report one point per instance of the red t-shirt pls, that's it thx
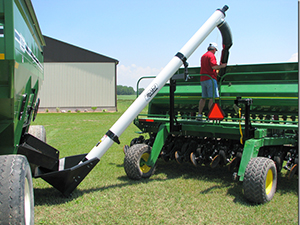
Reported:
(208, 60)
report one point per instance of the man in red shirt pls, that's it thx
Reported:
(209, 66)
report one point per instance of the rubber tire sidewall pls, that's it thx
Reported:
(132, 162)
(254, 183)
(13, 173)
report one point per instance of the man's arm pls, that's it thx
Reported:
(217, 67)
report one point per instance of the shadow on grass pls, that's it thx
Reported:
(51, 196)
(220, 175)
(223, 176)
(171, 170)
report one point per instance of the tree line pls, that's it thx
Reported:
(124, 90)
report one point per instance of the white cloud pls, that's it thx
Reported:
(129, 75)
(294, 58)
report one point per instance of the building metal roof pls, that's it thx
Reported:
(58, 51)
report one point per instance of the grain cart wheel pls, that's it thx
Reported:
(260, 180)
(135, 162)
(16, 192)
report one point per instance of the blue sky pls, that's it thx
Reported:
(144, 35)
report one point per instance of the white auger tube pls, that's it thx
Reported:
(145, 97)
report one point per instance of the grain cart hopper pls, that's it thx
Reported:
(24, 155)
(259, 103)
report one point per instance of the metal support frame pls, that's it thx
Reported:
(159, 142)
(249, 131)
(174, 125)
(64, 174)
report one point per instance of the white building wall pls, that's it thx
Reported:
(78, 86)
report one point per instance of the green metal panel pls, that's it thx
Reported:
(272, 87)
(160, 139)
(21, 68)
(251, 149)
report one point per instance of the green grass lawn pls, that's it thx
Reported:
(175, 194)
(126, 97)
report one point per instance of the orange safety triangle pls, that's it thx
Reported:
(216, 113)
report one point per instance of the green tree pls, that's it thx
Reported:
(124, 90)
(141, 90)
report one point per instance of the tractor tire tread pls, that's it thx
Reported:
(132, 160)
(255, 178)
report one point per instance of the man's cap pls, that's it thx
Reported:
(213, 45)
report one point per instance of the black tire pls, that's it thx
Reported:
(16, 192)
(260, 180)
(278, 162)
(135, 162)
(38, 131)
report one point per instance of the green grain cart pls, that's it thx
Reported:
(24, 152)
(252, 128)
(21, 74)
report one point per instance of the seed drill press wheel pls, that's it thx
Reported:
(260, 180)
(135, 161)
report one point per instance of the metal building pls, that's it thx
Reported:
(77, 79)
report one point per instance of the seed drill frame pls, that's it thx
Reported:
(257, 137)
